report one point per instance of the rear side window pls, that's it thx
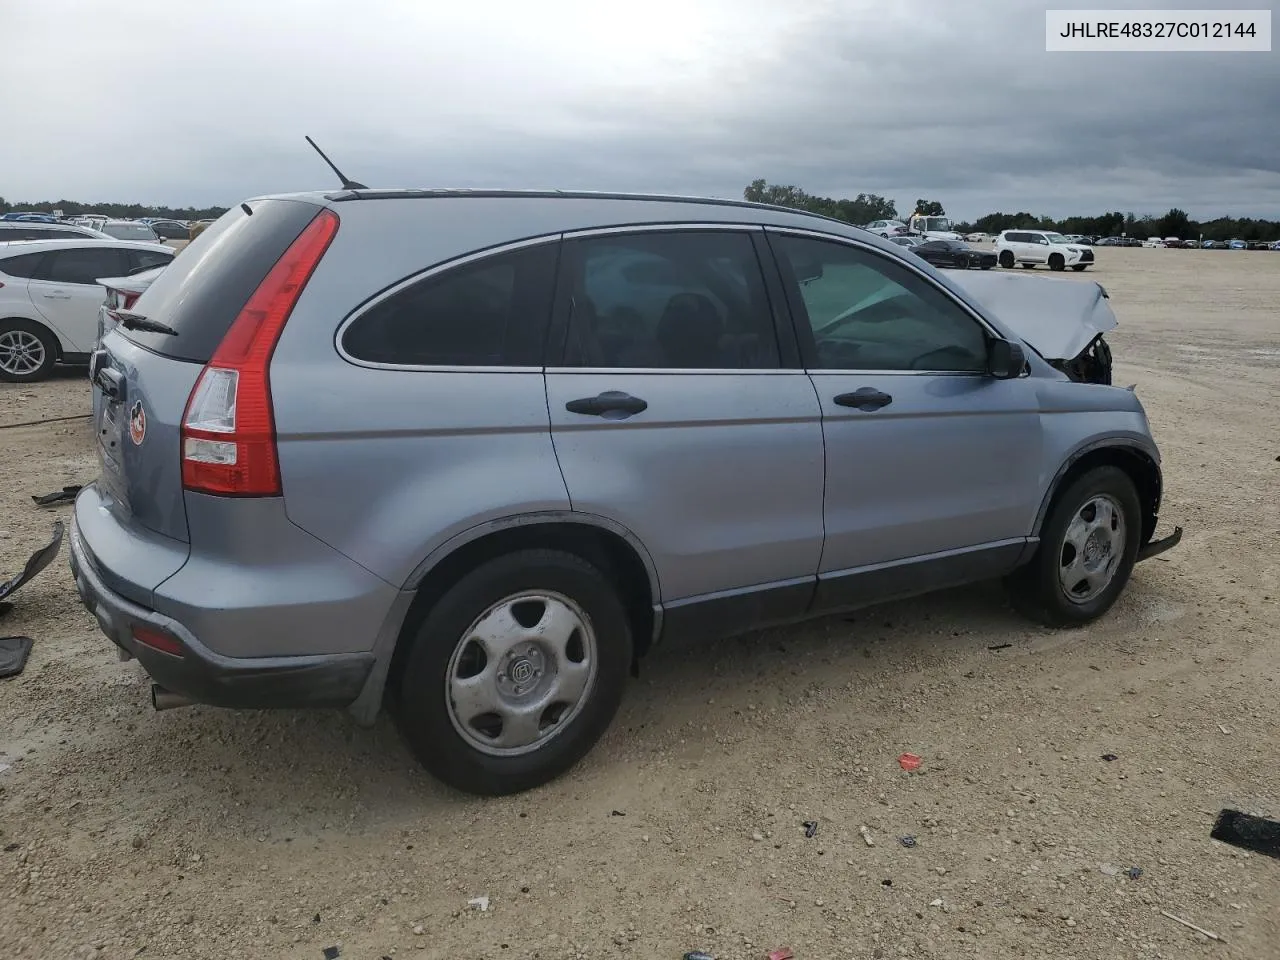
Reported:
(23, 266)
(22, 233)
(139, 260)
(201, 293)
(491, 312)
(82, 266)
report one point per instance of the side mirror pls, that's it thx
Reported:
(1005, 359)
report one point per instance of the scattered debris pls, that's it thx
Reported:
(1226, 730)
(1000, 646)
(1109, 869)
(757, 836)
(66, 495)
(316, 918)
(907, 841)
(419, 930)
(13, 655)
(1134, 872)
(1109, 757)
(936, 903)
(1187, 923)
(617, 813)
(698, 955)
(331, 953)
(811, 828)
(1256, 834)
(10, 847)
(909, 762)
(866, 835)
(5, 607)
(886, 883)
(480, 903)
(782, 953)
(37, 562)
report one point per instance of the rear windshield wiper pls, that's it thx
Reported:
(136, 321)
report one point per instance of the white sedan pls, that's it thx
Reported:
(50, 296)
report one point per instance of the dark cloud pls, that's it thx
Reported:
(958, 102)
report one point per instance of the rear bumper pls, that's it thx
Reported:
(200, 674)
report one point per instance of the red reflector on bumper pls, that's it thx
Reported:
(157, 640)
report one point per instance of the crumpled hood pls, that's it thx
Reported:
(1059, 318)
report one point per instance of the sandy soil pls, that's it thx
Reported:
(205, 833)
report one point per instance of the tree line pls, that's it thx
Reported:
(116, 211)
(867, 207)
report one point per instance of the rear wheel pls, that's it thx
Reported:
(1088, 545)
(515, 672)
(1057, 261)
(27, 351)
(1006, 259)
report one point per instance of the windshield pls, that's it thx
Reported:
(129, 231)
(937, 224)
(1056, 238)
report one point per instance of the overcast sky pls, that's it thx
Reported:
(164, 101)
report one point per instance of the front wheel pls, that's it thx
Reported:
(1079, 266)
(27, 351)
(1088, 545)
(1057, 262)
(1006, 259)
(515, 673)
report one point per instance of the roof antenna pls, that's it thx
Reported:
(346, 184)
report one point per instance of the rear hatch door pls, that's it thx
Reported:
(143, 378)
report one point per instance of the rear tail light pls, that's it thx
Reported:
(228, 432)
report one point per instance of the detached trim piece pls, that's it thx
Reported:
(1156, 547)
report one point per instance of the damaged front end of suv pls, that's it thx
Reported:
(1064, 321)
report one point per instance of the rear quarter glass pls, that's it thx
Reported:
(201, 292)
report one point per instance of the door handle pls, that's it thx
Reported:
(864, 398)
(612, 405)
(56, 296)
(111, 382)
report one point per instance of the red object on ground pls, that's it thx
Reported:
(782, 953)
(909, 761)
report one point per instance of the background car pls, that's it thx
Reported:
(170, 229)
(886, 228)
(954, 253)
(907, 241)
(130, 230)
(50, 297)
(1237, 245)
(1027, 248)
(11, 230)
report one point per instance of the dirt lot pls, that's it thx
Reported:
(203, 833)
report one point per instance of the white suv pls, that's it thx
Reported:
(1030, 247)
(50, 295)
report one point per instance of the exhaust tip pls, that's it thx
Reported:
(162, 699)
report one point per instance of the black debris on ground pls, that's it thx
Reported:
(66, 495)
(13, 655)
(1243, 830)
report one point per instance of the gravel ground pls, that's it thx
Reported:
(205, 833)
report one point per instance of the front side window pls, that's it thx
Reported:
(680, 300)
(83, 265)
(867, 312)
(490, 312)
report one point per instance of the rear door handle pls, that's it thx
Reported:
(864, 398)
(111, 382)
(612, 405)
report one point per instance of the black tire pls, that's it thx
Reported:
(1079, 267)
(1028, 266)
(423, 708)
(1036, 589)
(1006, 259)
(1057, 262)
(26, 329)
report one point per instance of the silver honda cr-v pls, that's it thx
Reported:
(473, 453)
